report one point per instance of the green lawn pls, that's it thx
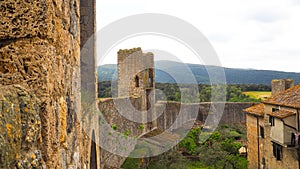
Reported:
(258, 94)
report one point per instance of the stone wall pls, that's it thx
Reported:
(111, 115)
(233, 112)
(167, 113)
(40, 85)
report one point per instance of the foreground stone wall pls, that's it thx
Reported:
(39, 84)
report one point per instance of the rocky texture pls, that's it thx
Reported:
(20, 127)
(21, 19)
(40, 85)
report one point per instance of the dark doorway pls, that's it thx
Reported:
(137, 81)
(93, 156)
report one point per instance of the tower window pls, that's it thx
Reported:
(150, 80)
(137, 83)
(271, 120)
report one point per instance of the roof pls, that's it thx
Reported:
(281, 114)
(257, 109)
(289, 98)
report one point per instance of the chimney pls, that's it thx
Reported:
(280, 85)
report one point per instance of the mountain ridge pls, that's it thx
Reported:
(164, 69)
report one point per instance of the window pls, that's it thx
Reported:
(261, 132)
(150, 80)
(263, 161)
(293, 139)
(271, 120)
(277, 151)
(275, 109)
(137, 83)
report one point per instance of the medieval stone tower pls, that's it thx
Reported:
(136, 75)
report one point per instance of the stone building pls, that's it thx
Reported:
(273, 128)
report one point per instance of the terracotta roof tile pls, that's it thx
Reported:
(281, 114)
(290, 98)
(257, 109)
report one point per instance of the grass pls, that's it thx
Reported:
(258, 94)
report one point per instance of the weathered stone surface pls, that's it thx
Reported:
(40, 76)
(20, 19)
(20, 127)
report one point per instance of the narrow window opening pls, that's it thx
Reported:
(261, 132)
(150, 80)
(137, 83)
(293, 139)
(277, 151)
(263, 161)
(271, 120)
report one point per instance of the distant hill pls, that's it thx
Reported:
(233, 76)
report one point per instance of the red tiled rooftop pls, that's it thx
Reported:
(290, 98)
(281, 114)
(257, 109)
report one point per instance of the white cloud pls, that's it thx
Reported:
(268, 15)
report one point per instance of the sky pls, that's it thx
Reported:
(250, 34)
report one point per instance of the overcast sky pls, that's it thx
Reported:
(257, 34)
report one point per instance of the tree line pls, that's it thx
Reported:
(194, 93)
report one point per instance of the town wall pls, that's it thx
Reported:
(167, 113)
